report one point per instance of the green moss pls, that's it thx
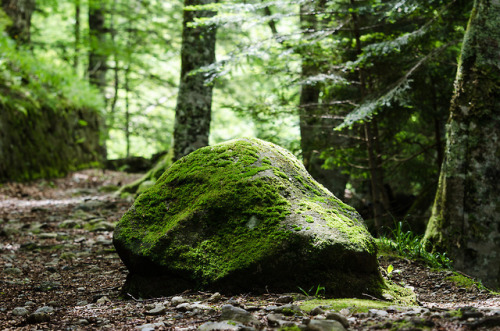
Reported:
(226, 209)
(401, 297)
(358, 305)
(309, 219)
(164, 206)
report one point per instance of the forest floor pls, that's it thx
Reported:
(59, 271)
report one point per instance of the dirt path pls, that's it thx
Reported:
(59, 271)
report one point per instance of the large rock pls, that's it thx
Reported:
(241, 216)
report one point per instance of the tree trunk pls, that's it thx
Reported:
(194, 100)
(98, 55)
(316, 133)
(77, 35)
(20, 12)
(380, 198)
(465, 219)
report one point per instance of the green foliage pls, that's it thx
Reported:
(30, 82)
(318, 293)
(409, 245)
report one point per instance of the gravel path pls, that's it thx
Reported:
(59, 271)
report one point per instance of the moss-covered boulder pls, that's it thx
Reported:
(244, 216)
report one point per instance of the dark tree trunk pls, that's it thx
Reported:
(316, 127)
(194, 100)
(98, 54)
(465, 219)
(380, 198)
(77, 35)
(20, 12)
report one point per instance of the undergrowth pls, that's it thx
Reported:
(409, 245)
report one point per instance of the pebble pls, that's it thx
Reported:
(47, 235)
(275, 320)
(285, 299)
(338, 317)
(158, 310)
(20, 311)
(177, 300)
(317, 311)
(230, 312)
(102, 300)
(150, 326)
(216, 297)
(13, 271)
(45, 309)
(289, 309)
(378, 313)
(324, 325)
(213, 326)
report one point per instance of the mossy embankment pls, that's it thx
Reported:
(49, 119)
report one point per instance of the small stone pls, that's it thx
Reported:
(158, 310)
(387, 297)
(82, 303)
(324, 325)
(345, 312)
(48, 286)
(197, 307)
(20, 311)
(45, 309)
(53, 303)
(183, 307)
(274, 320)
(290, 309)
(150, 326)
(47, 235)
(213, 326)
(285, 299)
(216, 297)
(378, 313)
(12, 271)
(317, 311)
(69, 224)
(338, 317)
(238, 314)
(177, 300)
(103, 300)
(29, 303)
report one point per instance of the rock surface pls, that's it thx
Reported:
(244, 216)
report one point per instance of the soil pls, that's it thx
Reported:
(57, 254)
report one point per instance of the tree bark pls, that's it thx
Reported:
(194, 100)
(465, 219)
(20, 12)
(77, 35)
(98, 55)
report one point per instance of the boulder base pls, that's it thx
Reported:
(244, 216)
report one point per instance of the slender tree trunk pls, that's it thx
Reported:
(98, 54)
(20, 12)
(465, 219)
(380, 198)
(127, 111)
(194, 100)
(77, 35)
(316, 132)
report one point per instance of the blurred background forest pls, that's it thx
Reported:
(360, 90)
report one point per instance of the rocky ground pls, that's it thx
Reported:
(59, 271)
